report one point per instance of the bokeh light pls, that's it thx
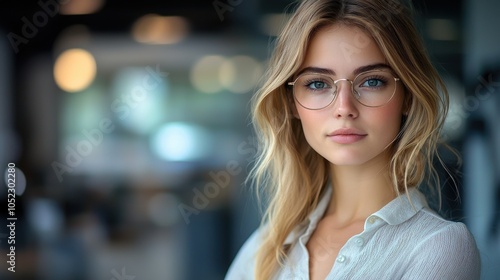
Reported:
(20, 181)
(181, 142)
(81, 7)
(240, 74)
(139, 99)
(156, 29)
(205, 75)
(75, 70)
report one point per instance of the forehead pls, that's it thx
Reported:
(342, 49)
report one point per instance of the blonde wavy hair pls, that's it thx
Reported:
(288, 171)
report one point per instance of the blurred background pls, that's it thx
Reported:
(128, 124)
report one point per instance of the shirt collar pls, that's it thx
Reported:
(403, 207)
(395, 212)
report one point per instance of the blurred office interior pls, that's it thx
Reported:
(128, 122)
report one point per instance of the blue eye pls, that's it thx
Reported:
(317, 85)
(373, 83)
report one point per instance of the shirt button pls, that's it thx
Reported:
(372, 219)
(341, 258)
(359, 241)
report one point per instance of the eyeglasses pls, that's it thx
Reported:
(316, 91)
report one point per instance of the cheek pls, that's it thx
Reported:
(308, 121)
(386, 121)
(387, 118)
(311, 122)
(309, 118)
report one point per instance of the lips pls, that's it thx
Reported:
(346, 135)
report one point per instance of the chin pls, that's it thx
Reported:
(354, 157)
(347, 161)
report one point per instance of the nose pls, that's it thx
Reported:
(345, 106)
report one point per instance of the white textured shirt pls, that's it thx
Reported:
(400, 241)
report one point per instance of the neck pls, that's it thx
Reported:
(359, 191)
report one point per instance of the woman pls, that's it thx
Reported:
(349, 121)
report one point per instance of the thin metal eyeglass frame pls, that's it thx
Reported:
(353, 92)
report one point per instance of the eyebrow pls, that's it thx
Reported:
(356, 71)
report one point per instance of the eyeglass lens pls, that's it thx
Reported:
(372, 88)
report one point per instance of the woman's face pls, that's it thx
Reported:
(347, 132)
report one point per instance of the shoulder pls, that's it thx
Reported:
(242, 266)
(438, 235)
(449, 236)
(444, 249)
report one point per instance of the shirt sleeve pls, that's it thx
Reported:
(243, 264)
(449, 253)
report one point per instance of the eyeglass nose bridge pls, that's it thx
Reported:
(353, 92)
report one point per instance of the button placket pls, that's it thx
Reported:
(359, 241)
(372, 220)
(341, 258)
